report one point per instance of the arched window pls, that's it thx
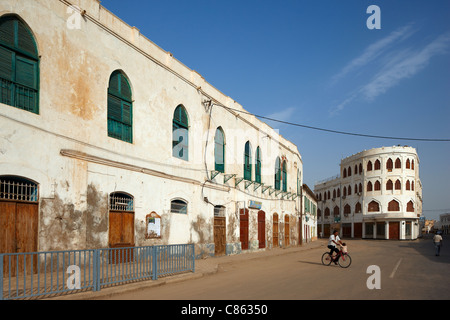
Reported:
(349, 190)
(360, 188)
(410, 206)
(358, 208)
(219, 150)
(120, 107)
(398, 163)
(389, 185)
(120, 201)
(412, 164)
(327, 212)
(412, 185)
(389, 164)
(19, 65)
(277, 173)
(338, 192)
(369, 186)
(408, 185)
(374, 206)
(377, 186)
(336, 212)
(347, 209)
(258, 165)
(398, 185)
(248, 161)
(178, 206)
(180, 133)
(349, 171)
(393, 206)
(369, 166)
(334, 193)
(18, 189)
(328, 194)
(360, 168)
(356, 169)
(377, 165)
(408, 164)
(284, 176)
(344, 173)
(345, 191)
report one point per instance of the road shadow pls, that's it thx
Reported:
(425, 247)
(310, 262)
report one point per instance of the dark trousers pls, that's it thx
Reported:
(333, 249)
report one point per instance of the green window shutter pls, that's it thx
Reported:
(277, 173)
(258, 165)
(26, 71)
(25, 41)
(247, 162)
(19, 65)
(120, 108)
(6, 63)
(7, 31)
(219, 151)
(180, 134)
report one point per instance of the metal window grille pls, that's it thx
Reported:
(178, 206)
(121, 202)
(16, 190)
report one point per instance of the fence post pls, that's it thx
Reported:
(193, 258)
(96, 270)
(154, 263)
(1, 276)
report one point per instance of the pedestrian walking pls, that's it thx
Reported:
(437, 239)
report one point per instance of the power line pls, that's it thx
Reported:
(335, 131)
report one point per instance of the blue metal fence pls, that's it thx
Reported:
(45, 274)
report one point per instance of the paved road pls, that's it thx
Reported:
(409, 270)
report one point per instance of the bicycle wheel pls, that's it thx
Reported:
(326, 259)
(345, 260)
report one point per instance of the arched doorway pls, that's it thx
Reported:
(276, 243)
(19, 216)
(121, 225)
(262, 229)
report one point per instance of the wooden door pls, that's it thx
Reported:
(262, 229)
(244, 228)
(121, 235)
(219, 236)
(19, 233)
(346, 230)
(394, 230)
(286, 231)
(276, 243)
(357, 232)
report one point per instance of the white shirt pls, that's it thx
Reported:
(437, 238)
(330, 240)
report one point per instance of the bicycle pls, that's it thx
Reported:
(342, 258)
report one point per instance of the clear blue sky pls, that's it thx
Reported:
(316, 63)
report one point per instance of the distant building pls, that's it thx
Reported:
(444, 221)
(378, 195)
(309, 217)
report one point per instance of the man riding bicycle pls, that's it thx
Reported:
(332, 242)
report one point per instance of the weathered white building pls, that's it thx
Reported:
(106, 140)
(378, 194)
(309, 215)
